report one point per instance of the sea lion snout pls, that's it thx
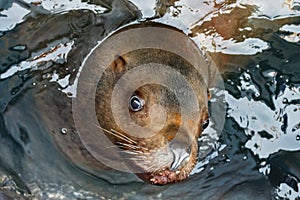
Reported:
(180, 147)
(180, 157)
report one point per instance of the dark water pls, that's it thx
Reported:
(255, 44)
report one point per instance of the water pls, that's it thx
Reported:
(255, 45)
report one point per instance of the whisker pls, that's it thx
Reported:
(118, 135)
(144, 148)
(128, 145)
(129, 152)
(138, 159)
(132, 146)
(129, 139)
(113, 146)
(150, 168)
(134, 151)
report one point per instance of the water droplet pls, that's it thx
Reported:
(69, 94)
(14, 91)
(245, 157)
(296, 127)
(285, 100)
(64, 131)
(19, 48)
(298, 137)
(247, 77)
(33, 83)
(269, 73)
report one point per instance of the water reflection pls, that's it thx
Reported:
(255, 44)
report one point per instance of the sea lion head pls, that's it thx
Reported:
(163, 149)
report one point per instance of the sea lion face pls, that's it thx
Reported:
(165, 151)
(163, 158)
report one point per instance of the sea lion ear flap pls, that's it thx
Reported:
(119, 64)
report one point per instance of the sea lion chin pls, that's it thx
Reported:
(170, 154)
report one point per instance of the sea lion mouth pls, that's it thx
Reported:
(178, 163)
(164, 177)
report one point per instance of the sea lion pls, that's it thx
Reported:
(155, 163)
(170, 153)
(155, 124)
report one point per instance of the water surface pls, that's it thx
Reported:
(255, 45)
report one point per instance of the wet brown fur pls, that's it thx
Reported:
(148, 154)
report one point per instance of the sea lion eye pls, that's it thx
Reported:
(205, 124)
(136, 103)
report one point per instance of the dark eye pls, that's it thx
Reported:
(205, 124)
(136, 103)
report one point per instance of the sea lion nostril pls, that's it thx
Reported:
(180, 156)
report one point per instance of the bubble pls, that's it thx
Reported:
(15, 90)
(19, 48)
(64, 131)
(257, 94)
(247, 77)
(285, 101)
